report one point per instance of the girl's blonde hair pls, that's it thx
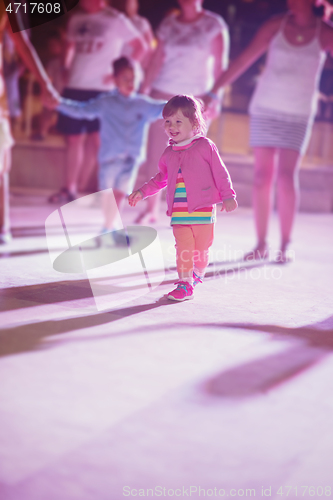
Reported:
(191, 107)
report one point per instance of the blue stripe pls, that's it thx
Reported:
(191, 219)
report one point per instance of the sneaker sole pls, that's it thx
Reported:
(180, 300)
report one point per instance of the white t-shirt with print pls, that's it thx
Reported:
(99, 39)
(188, 66)
(142, 24)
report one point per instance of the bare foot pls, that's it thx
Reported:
(260, 252)
(284, 256)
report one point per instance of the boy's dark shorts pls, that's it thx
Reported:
(71, 126)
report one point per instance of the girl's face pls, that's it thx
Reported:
(178, 127)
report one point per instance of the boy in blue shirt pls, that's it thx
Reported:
(124, 117)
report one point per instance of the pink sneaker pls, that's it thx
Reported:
(184, 291)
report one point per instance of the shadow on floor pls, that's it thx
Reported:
(30, 231)
(262, 375)
(75, 290)
(30, 337)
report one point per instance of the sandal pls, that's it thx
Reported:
(62, 196)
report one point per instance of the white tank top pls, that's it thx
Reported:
(290, 80)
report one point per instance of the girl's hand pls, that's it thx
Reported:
(135, 197)
(229, 205)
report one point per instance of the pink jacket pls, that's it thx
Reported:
(206, 178)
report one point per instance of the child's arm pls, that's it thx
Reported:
(88, 110)
(153, 108)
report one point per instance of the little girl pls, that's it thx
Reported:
(196, 180)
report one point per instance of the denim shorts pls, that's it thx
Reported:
(118, 173)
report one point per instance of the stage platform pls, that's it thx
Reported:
(229, 394)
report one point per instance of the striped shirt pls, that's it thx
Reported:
(180, 214)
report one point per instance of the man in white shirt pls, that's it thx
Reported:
(97, 35)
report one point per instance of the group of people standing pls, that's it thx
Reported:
(191, 57)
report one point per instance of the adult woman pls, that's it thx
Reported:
(282, 109)
(192, 50)
(96, 36)
(30, 58)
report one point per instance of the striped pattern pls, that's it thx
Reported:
(180, 214)
(271, 131)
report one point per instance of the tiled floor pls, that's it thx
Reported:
(230, 392)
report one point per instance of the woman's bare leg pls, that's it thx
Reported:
(74, 160)
(4, 197)
(287, 193)
(264, 159)
(91, 148)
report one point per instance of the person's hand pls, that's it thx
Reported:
(50, 97)
(135, 197)
(211, 105)
(229, 205)
(206, 99)
(50, 101)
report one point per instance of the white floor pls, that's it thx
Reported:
(230, 392)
